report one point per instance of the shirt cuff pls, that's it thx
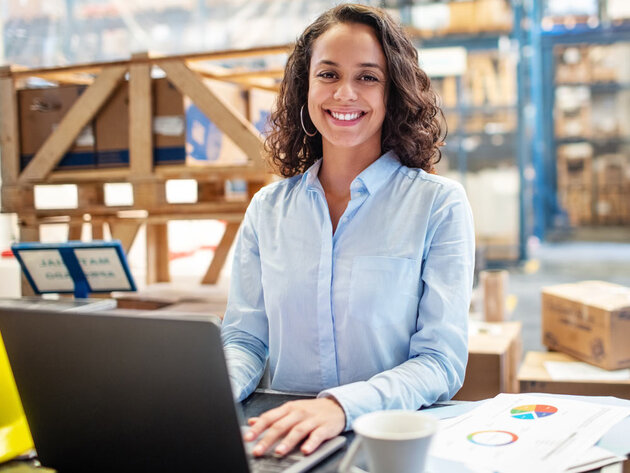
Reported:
(355, 399)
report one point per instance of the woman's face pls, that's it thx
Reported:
(347, 87)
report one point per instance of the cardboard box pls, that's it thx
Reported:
(205, 143)
(461, 16)
(493, 15)
(589, 320)
(575, 166)
(494, 353)
(40, 112)
(533, 377)
(572, 64)
(612, 170)
(578, 204)
(612, 206)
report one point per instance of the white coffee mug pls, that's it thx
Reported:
(394, 441)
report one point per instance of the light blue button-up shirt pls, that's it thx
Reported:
(375, 314)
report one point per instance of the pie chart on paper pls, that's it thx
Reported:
(492, 438)
(533, 411)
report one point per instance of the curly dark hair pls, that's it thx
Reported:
(414, 124)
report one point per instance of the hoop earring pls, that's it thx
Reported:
(302, 121)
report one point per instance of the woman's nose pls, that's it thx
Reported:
(345, 91)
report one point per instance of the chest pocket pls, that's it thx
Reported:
(384, 291)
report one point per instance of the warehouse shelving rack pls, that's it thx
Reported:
(549, 219)
(514, 142)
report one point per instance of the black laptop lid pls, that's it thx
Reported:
(111, 393)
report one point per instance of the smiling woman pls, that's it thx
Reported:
(413, 125)
(352, 277)
(347, 87)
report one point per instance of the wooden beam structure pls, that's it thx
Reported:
(157, 253)
(148, 179)
(222, 113)
(125, 231)
(140, 119)
(220, 254)
(9, 132)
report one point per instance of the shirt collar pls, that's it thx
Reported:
(376, 174)
(372, 177)
(310, 176)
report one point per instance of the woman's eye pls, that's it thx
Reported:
(326, 75)
(369, 78)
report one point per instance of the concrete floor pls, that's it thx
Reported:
(557, 263)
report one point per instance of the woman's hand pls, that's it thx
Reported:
(317, 419)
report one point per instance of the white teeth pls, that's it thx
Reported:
(346, 116)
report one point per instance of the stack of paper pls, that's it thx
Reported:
(524, 432)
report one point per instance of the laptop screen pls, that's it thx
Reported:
(107, 393)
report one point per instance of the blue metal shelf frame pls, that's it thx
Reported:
(546, 210)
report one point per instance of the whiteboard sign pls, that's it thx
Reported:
(102, 269)
(76, 267)
(48, 270)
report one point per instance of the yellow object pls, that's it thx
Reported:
(15, 437)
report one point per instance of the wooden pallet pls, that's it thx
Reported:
(150, 206)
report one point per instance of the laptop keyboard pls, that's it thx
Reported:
(273, 464)
(295, 461)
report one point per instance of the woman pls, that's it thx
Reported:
(352, 277)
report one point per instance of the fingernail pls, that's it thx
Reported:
(249, 435)
(281, 449)
(258, 450)
(307, 448)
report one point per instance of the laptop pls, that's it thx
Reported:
(105, 392)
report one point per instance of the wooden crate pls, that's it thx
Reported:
(102, 82)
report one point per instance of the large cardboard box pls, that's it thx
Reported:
(589, 320)
(40, 112)
(533, 377)
(494, 354)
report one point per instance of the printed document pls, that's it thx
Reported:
(521, 433)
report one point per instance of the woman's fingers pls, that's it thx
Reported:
(259, 424)
(319, 435)
(276, 431)
(296, 435)
(315, 419)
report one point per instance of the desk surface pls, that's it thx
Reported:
(253, 406)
